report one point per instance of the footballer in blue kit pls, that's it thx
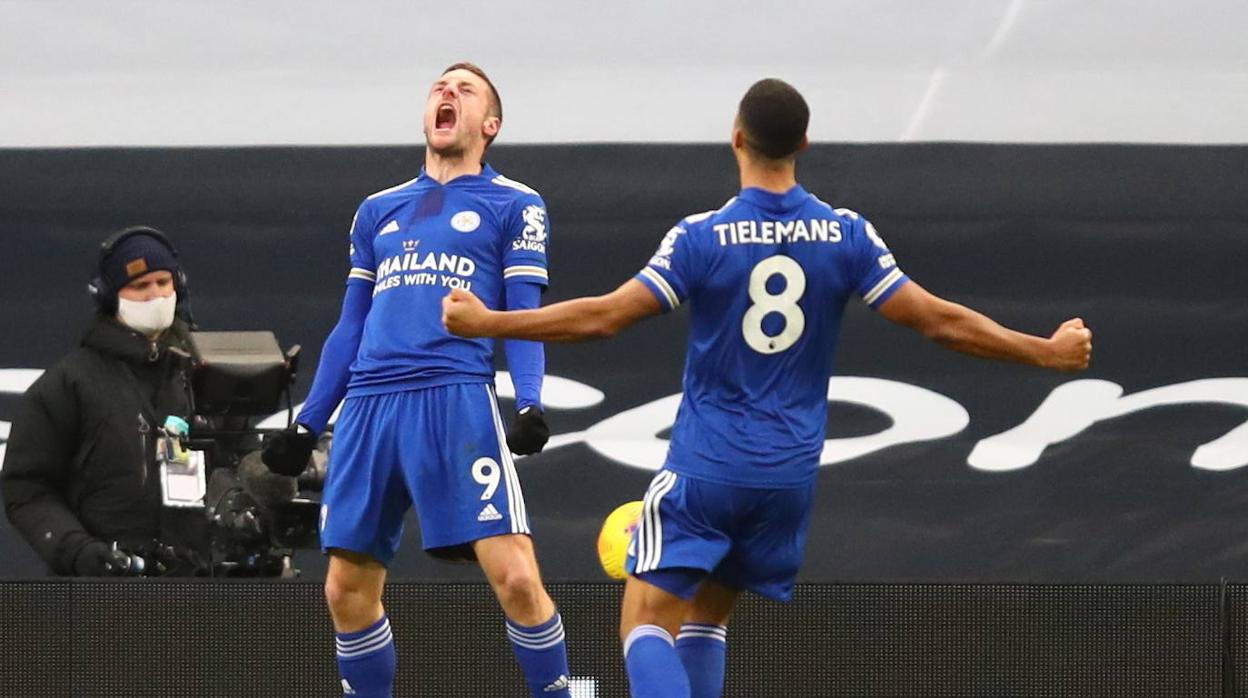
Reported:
(420, 423)
(767, 276)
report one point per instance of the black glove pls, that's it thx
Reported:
(528, 433)
(287, 452)
(99, 559)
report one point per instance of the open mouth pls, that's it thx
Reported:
(445, 118)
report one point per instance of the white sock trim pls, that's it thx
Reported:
(379, 631)
(536, 639)
(366, 645)
(703, 630)
(549, 638)
(646, 631)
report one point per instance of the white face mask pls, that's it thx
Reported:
(147, 317)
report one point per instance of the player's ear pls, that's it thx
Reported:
(738, 138)
(805, 144)
(491, 126)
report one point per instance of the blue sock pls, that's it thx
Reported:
(654, 669)
(703, 649)
(543, 656)
(366, 661)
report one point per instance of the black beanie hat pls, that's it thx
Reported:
(133, 257)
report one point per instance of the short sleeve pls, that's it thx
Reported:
(874, 271)
(363, 265)
(526, 235)
(668, 275)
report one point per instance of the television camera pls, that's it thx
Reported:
(225, 509)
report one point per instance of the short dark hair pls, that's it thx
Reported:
(774, 116)
(496, 108)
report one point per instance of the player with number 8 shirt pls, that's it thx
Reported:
(768, 275)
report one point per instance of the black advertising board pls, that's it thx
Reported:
(939, 467)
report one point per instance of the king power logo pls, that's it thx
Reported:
(918, 414)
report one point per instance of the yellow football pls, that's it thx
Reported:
(615, 537)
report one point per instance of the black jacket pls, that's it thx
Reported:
(81, 459)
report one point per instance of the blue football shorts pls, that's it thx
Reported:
(442, 449)
(740, 537)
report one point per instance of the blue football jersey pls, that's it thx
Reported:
(767, 276)
(412, 244)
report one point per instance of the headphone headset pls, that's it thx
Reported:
(105, 296)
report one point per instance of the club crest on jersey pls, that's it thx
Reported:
(466, 221)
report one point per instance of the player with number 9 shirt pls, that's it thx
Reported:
(768, 275)
(420, 423)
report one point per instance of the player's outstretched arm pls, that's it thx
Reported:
(576, 320)
(329, 385)
(962, 329)
(287, 452)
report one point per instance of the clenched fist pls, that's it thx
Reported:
(1071, 346)
(288, 451)
(464, 314)
(528, 433)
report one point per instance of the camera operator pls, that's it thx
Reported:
(81, 480)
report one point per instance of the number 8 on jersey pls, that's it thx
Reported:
(784, 303)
